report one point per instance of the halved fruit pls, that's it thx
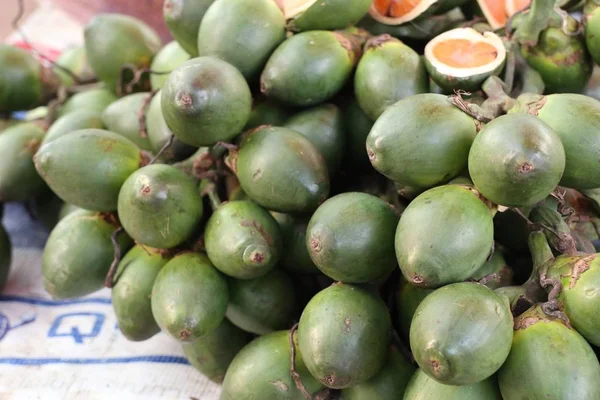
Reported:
(463, 58)
(309, 15)
(396, 12)
(494, 11)
(514, 6)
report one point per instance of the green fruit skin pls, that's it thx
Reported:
(358, 126)
(93, 100)
(548, 360)
(160, 206)
(295, 257)
(575, 118)
(78, 255)
(72, 122)
(132, 292)
(87, 168)
(212, 353)
(115, 40)
(243, 33)
(261, 370)
(159, 133)
(344, 335)
(267, 112)
(407, 300)
(243, 240)
(189, 297)
(563, 61)
(444, 236)
(422, 387)
(308, 68)
(330, 14)
(5, 257)
(75, 60)
(461, 334)
(389, 383)
(592, 29)
(421, 141)
(388, 71)
(262, 305)
(171, 56)
(580, 295)
(324, 127)
(206, 100)
(516, 160)
(19, 181)
(350, 237)
(183, 19)
(495, 265)
(121, 117)
(281, 170)
(21, 75)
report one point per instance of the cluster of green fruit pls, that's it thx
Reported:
(399, 219)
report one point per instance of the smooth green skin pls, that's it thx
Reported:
(549, 361)
(159, 133)
(281, 170)
(93, 100)
(407, 300)
(580, 295)
(330, 14)
(132, 292)
(86, 168)
(516, 160)
(121, 117)
(295, 257)
(115, 40)
(388, 71)
(562, 61)
(160, 206)
(358, 126)
(308, 68)
(324, 127)
(171, 56)
(212, 353)
(189, 297)
(183, 19)
(264, 304)
(421, 141)
(72, 122)
(261, 371)
(422, 387)
(243, 33)
(389, 383)
(243, 240)
(21, 85)
(495, 265)
(445, 235)
(75, 60)
(5, 257)
(67, 209)
(461, 334)
(78, 255)
(575, 118)
(350, 237)
(344, 335)
(206, 100)
(267, 112)
(592, 29)
(19, 181)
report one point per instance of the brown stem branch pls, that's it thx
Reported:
(142, 114)
(109, 282)
(164, 148)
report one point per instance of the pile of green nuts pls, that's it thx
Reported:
(328, 199)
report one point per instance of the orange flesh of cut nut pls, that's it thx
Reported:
(395, 8)
(461, 53)
(497, 9)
